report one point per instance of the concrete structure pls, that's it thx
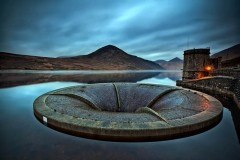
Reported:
(223, 83)
(128, 111)
(194, 63)
(197, 63)
(235, 73)
(216, 62)
(224, 88)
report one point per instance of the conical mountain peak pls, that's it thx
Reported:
(176, 59)
(108, 51)
(108, 48)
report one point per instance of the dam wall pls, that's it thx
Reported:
(235, 73)
(225, 88)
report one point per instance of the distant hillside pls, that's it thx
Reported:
(105, 58)
(174, 64)
(229, 53)
(230, 56)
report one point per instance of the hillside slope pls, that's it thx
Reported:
(229, 53)
(105, 58)
(174, 64)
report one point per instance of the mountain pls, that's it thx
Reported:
(229, 53)
(105, 58)
(173, 64)
(230, 56)
(176, 60)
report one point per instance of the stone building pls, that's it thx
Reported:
(197, 63)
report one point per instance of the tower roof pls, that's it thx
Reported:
(197, 51)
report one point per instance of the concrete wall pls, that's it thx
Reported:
(227, 72)
(225, 89)
(216, 62)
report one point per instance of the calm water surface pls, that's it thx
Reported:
(24, 137)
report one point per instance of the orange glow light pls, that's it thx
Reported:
(208, 68)
(200, 75)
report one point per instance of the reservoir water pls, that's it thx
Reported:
(22, 136)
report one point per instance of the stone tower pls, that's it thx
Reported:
(195, 63)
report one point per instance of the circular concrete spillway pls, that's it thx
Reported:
(128, 111)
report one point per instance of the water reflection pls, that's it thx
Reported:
(174, 75)
(235, 112)
(10, 79)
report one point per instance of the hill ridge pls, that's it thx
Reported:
(228, 53)
(105, 58)
(173, 64)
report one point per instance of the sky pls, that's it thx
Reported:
(150, 29)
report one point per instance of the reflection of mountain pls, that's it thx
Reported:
(16, 79)
(105, 58)
(173, 64)
(171, 75)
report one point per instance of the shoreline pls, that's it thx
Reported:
(82, 71)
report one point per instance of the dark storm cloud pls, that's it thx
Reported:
(150, 29)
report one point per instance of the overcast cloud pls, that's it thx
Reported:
(151, 29)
